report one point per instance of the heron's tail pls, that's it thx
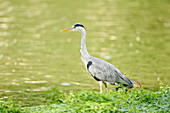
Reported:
(137, 84)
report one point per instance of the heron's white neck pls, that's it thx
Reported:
(84, 53)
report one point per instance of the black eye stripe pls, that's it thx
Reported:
(78, 25)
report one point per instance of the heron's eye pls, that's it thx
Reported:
(74, 27)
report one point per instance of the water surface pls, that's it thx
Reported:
(35, 56)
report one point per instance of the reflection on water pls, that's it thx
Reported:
(35, 82)
(35, 56)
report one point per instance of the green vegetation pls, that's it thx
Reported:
(9, 106)
(134, 100)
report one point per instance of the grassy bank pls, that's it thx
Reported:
(134, 100)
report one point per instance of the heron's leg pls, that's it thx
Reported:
(105, 87)
(100, 83)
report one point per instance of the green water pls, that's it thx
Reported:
(35, 56)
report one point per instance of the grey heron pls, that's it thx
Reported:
(100, 70)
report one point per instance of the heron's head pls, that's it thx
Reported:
(75, 27)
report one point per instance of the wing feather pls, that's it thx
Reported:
(106, 71)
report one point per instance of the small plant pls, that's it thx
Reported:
(55, 96)
(121, 84)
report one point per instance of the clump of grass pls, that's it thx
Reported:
(123, 100)
(10, 107)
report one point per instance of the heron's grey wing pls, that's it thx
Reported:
(105, 71)
(102, 70)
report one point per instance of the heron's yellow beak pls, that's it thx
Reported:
(67, 29)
